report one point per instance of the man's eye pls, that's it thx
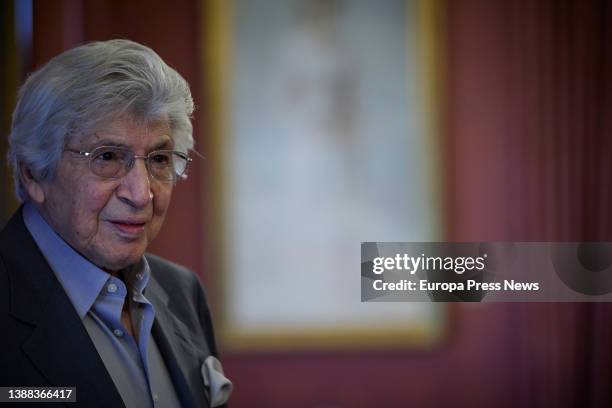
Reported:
(160, 159)
(107, 156)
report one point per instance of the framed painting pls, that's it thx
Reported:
(324, 119)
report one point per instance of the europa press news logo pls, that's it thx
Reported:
(583, 268)
(439, 270)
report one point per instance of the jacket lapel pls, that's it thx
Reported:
(62, 351)
(179, 355)
(59, 346)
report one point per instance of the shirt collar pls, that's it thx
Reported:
(81, 279)
(137, 278)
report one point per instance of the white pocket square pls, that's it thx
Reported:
(219, 387)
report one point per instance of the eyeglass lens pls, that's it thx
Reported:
(115, 162)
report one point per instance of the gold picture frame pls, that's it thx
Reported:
(218, 60)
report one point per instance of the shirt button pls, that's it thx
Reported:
(112, 288)
(118, 333)
(155, 398)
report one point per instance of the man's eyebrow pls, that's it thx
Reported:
(164, 144)
(108, 142)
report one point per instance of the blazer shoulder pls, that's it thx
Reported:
(175, 279)
(168, 273)
(163, 263)
(14, 229)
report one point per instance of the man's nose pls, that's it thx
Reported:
(135, 187)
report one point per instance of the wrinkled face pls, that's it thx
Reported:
(109, 221)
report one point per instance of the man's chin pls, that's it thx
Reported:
(117, 263)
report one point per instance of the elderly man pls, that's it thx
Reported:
(100, 136)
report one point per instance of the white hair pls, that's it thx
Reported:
(81, 89)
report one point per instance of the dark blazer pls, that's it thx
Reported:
(44, 343)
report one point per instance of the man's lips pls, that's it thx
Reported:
(129, 227)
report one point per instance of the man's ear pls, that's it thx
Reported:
(32, 185)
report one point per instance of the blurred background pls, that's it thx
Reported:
(328, 123)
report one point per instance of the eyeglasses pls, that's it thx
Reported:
(115, 162)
